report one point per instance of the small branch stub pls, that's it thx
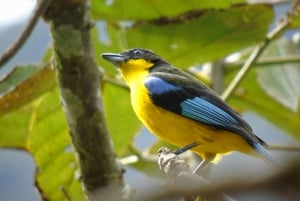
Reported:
(182, 179)
(178, 171)
(171, 164)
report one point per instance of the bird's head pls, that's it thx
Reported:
(134, 62)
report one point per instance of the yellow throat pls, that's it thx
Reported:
(135, 70)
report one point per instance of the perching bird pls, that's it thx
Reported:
(181, 110)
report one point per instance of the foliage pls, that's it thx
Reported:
(185, 33)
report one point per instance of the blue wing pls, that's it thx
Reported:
(202, 110)
(195, 102)
(158, 86)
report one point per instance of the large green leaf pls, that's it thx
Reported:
(251, 96)
(282, 81)
(49, 142)
(213, 35)
(122, 122)
(137, 9)
(17, 88)
(41, 128)
(14, 128)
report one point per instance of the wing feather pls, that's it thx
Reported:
(201, 110)
(179, 92)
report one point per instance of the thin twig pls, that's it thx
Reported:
(259, 49)
(278, 147)
(218, 76)
(115, 82)
(265, 61)
(10, 52)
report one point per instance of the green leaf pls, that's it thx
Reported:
(23, 85)
(50, 144)
(250, 96)
(282, 81)
(295, 22)
(211, 36)
(18, 88)
(14, 128)
(122, 122)
(135, 9)
(41, 128)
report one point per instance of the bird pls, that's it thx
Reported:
(181, 110)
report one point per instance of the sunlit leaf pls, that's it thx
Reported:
(295, 22)
(213, 35)
(210, 37)
(282, 81)
(131, 10)
(250, 96)
(14, 128)
(22, 85)
(49, 142)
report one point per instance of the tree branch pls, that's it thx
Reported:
(260, 48)
(178, 173)
(265, 61)
(115, 82)
(281, 183)
(79, 79)
(218, 76)
(176, 170)
(38, 11)
(279, 147)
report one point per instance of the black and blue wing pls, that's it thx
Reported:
(178, 92)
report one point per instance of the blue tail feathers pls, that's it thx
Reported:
(265, 154)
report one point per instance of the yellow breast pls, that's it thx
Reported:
(182, 131)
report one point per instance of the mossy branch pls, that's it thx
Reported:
(79, 79)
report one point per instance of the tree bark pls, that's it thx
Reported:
(79, 80)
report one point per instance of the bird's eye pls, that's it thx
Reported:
(137, 52)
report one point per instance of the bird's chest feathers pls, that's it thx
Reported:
(142, 104)
(152, 116)
(134, 73)
(141, 101)
(158, 120)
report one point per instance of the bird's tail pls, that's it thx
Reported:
(265, 155)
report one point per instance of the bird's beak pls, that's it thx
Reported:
(116, 59)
